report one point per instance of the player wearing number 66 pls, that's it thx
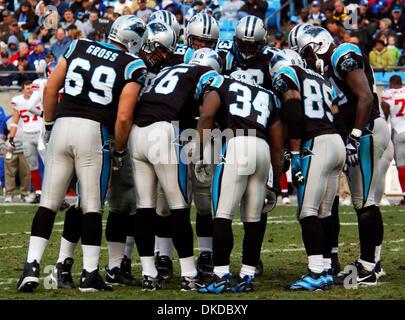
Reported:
(318, 155)
(101, 84)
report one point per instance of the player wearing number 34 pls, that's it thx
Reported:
(101, 84)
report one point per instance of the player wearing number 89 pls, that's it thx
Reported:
(251, 113)
(157, 157)
(101, 84)
(352, 76)
(318, 156)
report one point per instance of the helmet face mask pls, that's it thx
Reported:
(248, 49)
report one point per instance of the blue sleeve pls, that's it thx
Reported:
(345, 59)
(285, 79)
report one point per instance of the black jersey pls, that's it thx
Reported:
(245, 107)
(95, 76)
(172, 94)
(317, 97)
(346, 58)
(258, 66)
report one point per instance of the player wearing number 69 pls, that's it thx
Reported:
(101, 83)
(318, 156)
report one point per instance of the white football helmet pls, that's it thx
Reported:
(244, 76)
(312, 43)
(285, 58)
(295, 34)
(207, 57)
(250, 37)
(159, 45)
(130, 31)
(202, 27)
(168, 18)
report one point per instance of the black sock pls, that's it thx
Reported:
(327, 226)
(164, 226)
(115, 230)
(335, 223)
(380, 227)
(183, 238)
(73, 224)
(222, 242)
(145, 231)
(92, 229)
(312, 235)
(252, 242)
(132, 221)
(367, 221)
(204, 225)
(42, 224)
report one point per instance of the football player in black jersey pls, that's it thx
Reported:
(352, 76)
(162, 113)
(249, 114)
(101, 84)
(317, 158)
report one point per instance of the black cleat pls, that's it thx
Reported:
(205, 264)
(192, 283)
(259, 268)
(379, 271)
(37, 198)
(164, 266)
(64, 205)
(335, 264)
(116, 277)
(364, 278)
(151, 284)
(62, 276)
(30, 278)
(245, 284)
(92, 282)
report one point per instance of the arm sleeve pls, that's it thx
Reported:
(347, 58)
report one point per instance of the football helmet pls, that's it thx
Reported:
(250, 37)
(207, 57)
(295, 34)
(202, 27)
(168, 18)
(284, 58)
(243, 76)
(130, 31)
(159, 45)
(312, 43)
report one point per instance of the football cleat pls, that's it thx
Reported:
(61, 274)
(164, 266)
(346, 202)
(286, 200)
(37, 198)
(191, 283)
(385, 202)
(364, 278)
(218, 285)
(92, 282)
(310, 282)
(116, 277)
(401, 203)
(245, 284)
(335, 264)
(30, 278)
(259, 268)
(379, 271)
(205, 264)
(151, 284)
(64, 205)
(328, 274)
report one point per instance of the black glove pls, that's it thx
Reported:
(48, 130)
(296, 170)
(118, 159)
(352, 150)
(11, 141)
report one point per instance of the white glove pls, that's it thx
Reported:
(270, 201)
(202, 171)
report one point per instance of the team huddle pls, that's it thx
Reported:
(150, 126)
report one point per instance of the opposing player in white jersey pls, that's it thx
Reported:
(393, 104)
(31, 123)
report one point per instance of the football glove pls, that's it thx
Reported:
(118, 159)
(202, 171)
(296, 170)
(48, 130)
(352, 150)
(270, 201)
(287, 160)
(12, 144)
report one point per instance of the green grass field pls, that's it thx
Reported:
(283, 256)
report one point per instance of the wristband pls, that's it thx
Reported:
(295, 153)
(14, 125)
(120, 154)
(356, 132)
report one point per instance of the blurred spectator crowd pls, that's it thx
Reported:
(34, 33)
